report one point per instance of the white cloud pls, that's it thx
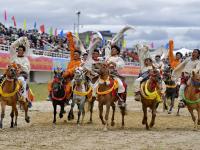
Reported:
(155, 20)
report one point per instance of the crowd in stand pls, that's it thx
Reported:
(38, 41)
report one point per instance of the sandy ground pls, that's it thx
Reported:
(169, 132)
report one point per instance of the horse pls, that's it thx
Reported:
(107, 95)
(150, 96)
(191, 97)
(82, 93)
(171, 90)
(10, 95)
(58, 94)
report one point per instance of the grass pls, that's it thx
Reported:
(41, 93)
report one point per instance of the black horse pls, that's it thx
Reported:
(58, 94)
(171, 89)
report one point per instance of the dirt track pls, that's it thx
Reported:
(170, 132)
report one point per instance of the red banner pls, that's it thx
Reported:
(4, 60)
(41, 63)
(37, 63)
(130, 71)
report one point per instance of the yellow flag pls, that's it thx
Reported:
(24, 24)
(76, 34)
(124, 43)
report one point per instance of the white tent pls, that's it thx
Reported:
(183, 51)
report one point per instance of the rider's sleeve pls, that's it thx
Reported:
(120, 63)
(171, 54)
(27, 66)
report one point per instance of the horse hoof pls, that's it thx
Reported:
(143, 122)
(11, 126)
(169, 112)
(177, 115)
(15, 124)
(27, 119)
(151, 125)
(105, 129)
(89, 122)
(1, 126)
(112, 123)
(61, 115)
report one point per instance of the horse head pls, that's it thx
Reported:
(12, 71)
(79, 75)
(58, 81)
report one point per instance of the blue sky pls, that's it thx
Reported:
(155, 21)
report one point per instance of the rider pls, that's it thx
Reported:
(184, 70)
(23, 63)
(116, 63)
(144, 74)
(75, 62)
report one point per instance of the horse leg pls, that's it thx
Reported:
(153, 117)
(177, 114)
(144, 121)
(54, 111)
(91, 111)
(82, 109)
(25, 107)
(164, 103)
(61, 109)
(3, 107)
(12, 117)
(71, 113)
(171, 105)
(193, 117)
(123, 112)
(198, 111)
(107, 116)
(113, 115)
(16, 115)
(79, 113)
(101, 113)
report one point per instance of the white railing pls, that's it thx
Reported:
(39, 52)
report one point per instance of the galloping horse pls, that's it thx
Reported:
(191, 97)
(106, 95)
(82, 92)
(10, 95)
(150, 96)
(171, 89)
(58, 94)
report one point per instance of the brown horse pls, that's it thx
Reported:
(191, 97)
(9, 95)
(150, 96)
(106, 96)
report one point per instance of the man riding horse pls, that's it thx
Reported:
(184, 71)
(116, 63)
(18, 51)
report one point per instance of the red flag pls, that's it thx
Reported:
(14, 21)
(5, 15)
(42, 29)
(56, 32)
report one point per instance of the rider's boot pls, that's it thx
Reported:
(121, 100)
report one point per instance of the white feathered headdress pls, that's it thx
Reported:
(115, 39)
